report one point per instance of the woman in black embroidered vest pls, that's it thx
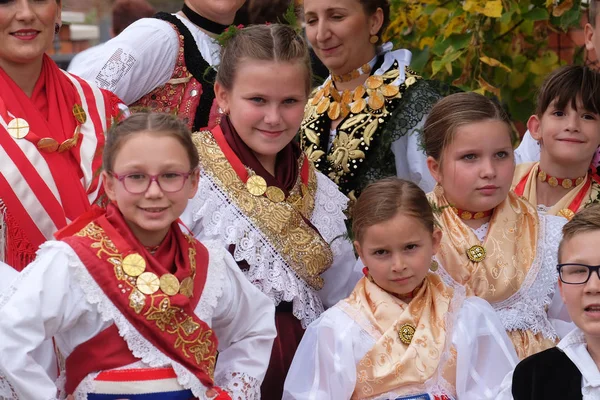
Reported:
(571, 370)
(161, 63)
(364, 122)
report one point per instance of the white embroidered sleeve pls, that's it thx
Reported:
(244, 321)
(43, 300)
(528, 150)
(135, 62)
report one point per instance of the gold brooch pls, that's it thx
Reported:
(566, 213)
(256, 185)
(476, 253)
(406, 333)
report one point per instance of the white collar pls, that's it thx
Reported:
(575, 347)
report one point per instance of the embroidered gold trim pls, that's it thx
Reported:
(282, 224)
(190, 338)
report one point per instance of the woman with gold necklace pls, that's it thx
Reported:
(363, 123)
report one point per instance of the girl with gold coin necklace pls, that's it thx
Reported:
(259, 194)
(364, 122)
(494, 245)
(121, 314)
(402, 333)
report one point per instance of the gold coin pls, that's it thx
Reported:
(552, 181)
(134, 264)
(336, 95)
(334, 111)
(359, 93)
(389, 90)
(79, 114)
(187, 287)
(374, 81)
(148, 283)
(476, 253)
(346, 97)
(478, 215)
(466, 215)
(18, 128)
(169, 284)
(323, 105)
(358, 106)
(345, 110)
(567, 183)
(67, 145)
(411, 80)
(47, 145)
(566, 213)
(542, 176)
(406, 333)
(376, 101)
(256, 185)
(275, 194)
(579, 181)
(317, 97)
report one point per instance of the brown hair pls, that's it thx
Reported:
(274, 42)
(262, 11)
(592, 12)
(385, 198)
(154, 123)
(586, 220)
(126, 12)
(569, 84)
(456, 110)
(371, 6)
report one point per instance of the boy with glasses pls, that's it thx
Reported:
(571, 369)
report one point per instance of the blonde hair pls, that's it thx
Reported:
(454, 111)
(586, 220)
(385, 198)
(274, 42)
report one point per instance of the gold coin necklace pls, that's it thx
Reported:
(19, 128)
(134, 265)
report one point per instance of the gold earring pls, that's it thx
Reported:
(374, 39)
(434, 266)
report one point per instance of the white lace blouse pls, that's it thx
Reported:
(210, 214)
(142, 58)
(56, 296)
(325, 364)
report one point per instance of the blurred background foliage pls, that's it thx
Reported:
(497, 47)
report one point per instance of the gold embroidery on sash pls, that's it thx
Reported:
(302, 248)
(190, 338)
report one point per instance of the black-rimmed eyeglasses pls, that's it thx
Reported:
(169, 182)
(577, 274)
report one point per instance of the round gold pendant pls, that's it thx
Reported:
(134, 265)
(542, 176)
(389, 90)
(476, 253)
(187, 287)
(406, 333)
(67, 145)
(376, 101)
(18, 128)
(169, 284)
(466, 215)
(275, 194)
(148, 283)
(374, 81)
(359, 92)
(552, 181)
(79, 114)
(334, 111)
(579, 181)
(358, 106)
(256, 185)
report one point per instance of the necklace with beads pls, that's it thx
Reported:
(553, 181)
(469, 215)
(365, 69)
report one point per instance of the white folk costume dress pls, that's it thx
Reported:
(287, 232)
(124, 331)
(583, 193)
(49, 157)
(511, 263)
(165, 64)
(372, 345)
(380, 131)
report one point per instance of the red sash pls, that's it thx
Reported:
(41, 192)
(167, 322)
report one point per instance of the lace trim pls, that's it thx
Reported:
(268, 271)
(138, 345)
(239, 386)
(7, 392)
